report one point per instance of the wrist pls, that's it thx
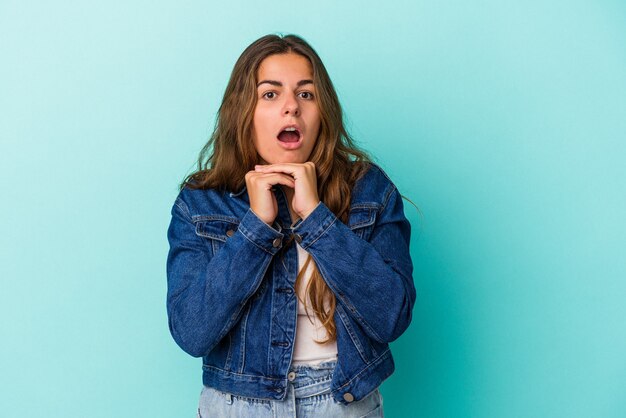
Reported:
(304, 215)
(264, 219)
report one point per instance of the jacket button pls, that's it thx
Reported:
(230, 232)
(298, 238)
(291, 376)
(348, 397)
(276, 242)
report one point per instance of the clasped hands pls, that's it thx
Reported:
(301, 178)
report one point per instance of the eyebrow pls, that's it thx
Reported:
(279, 84)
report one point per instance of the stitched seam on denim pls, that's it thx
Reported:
(248, 296)
(323, 379)
(295, 321)
(356, 343)
(374, 352)
(242, 351)
(345, 301)
(216, 217)
(315, 398)
(231, 322)
(245, 233)
(229, 354)
(368, 222)
(322, 392)
(202, 229)
(270, 346)
(365, 205)
(362, 224)
(201, 233)
(298, 368)
(374, 363)
(183, 208)
(227, 372)
(214, 246)
(388, 194)
(251, 400)
(321, 233)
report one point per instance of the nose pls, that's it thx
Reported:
(291, 106)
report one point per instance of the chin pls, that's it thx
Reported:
(289, 159)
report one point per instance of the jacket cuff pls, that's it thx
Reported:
(259, 233)
(314, 226)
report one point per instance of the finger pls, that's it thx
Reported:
(289, 168)
(278, 167)
(264, 174)
(271, 179)
(269, 174)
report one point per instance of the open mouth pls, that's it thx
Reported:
(289, 135)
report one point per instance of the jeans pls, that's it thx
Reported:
(308, 395)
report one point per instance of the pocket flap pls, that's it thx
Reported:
(361, 216)
(219, 229)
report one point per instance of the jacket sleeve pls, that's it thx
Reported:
(371, 279)
(205, 294)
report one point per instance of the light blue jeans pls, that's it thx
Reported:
(308, 395)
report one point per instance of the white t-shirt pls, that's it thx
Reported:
(306, 350)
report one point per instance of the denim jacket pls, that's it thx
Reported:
(231, 277)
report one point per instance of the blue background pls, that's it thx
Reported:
(503, 121)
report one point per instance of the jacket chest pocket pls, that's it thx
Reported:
(361, 220)
(216, 230)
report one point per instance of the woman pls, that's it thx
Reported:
(289, 269)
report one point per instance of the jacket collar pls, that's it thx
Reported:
(239, 193)
(236, 194)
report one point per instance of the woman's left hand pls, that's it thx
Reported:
(305, 197)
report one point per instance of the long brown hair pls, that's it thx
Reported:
(230, 154)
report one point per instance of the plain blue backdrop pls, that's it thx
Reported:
(503, 121)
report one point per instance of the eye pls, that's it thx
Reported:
(269, 92)
(308, 94)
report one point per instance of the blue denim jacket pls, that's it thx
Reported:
(231, 278)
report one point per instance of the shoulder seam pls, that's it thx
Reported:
(390, 190)
(391, 187)
(381, 170)
(180, 204)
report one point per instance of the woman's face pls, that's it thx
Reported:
(286, 97)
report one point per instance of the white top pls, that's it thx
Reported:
(306, 350)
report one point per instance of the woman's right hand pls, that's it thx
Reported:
(262, 200)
